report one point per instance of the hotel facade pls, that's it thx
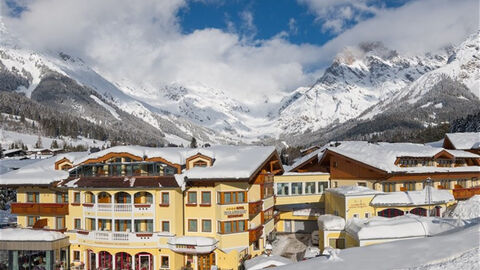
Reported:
(132, 207)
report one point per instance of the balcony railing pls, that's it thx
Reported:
(43, 209)
(254, 208)
(119, 207)
(121, 236)
(255, 234)
(465, 193)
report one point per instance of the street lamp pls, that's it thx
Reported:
(428, 193)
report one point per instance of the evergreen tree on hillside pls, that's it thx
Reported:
(54, 144)
(193, 143)
(39, 144)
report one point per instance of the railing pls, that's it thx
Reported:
(465, 193)
(119, 207)
(120, 236)
(254, 208)
(255, 234)
(44, 209)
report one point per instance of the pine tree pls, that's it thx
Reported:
(54, 144)
(38, 144)
(193, 143)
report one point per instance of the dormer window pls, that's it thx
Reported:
(199, 163)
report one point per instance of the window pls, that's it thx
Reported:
(62, 198)
(31, 220)
(267, 190)
(322, 186)
(165, 226)
(310, 188)
(164, 262)
(232, 226)
(192, 197)
(390, 212)
(367, 215)
(145, 225)
(282, 189)
(78, 223)
(355, 215)
(256, 245)
(206, 225)
(362, 184)
(232, 197)
(206, 197)
(90, 224)
(409, 186)
(59, 223)
(200, 163)
(445, 184)
(33, 197)
(76, 197)
(388, 187)
(165, 198)
(76, 255)
(337, 243)
(335, 184)
(192, 225)
(268, 214)
(297, 188)
(461, 183)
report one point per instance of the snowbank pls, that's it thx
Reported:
(399, 254)
(407, 226)
(331, 223)
(413, 197)
(18, 234)
(264, 261)
(467, 209)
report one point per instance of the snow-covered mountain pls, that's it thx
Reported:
(358, 78)
(359, 83)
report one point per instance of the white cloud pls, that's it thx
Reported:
(335, 15)
(292, 26)
(143, 42)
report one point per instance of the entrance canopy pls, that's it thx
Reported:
(192, 244)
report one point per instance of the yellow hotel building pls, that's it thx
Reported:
(132, 207)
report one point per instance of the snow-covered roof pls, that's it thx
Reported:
(6, 152)
(20, 234)
(306, 173)
(465, 140)
(353, 191)
(307, 157)
(331, 223)
(264, 261)
(39, 173)
(232, 162)
(383, 155)
(413, 197)
(406, 226)
(192, 240)
(11, 164)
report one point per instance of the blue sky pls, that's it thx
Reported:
(270, 17)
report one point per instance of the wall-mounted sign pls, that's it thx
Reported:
(236, 211)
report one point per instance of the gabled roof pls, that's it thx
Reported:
(383, 155)
(465, 140)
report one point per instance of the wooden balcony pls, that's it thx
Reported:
(255, 234)
(41, 209)
(465, 193)
(254, 208)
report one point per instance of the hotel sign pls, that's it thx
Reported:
(236, 211)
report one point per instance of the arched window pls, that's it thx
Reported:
(419, 211)
(143, 197)
(104, 197)
(123, 261)
(390, 212)
(89, 197)
(105, 260)
(123, 197)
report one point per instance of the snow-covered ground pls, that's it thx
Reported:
(9, 137)
(455, 248)
(449, 248)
